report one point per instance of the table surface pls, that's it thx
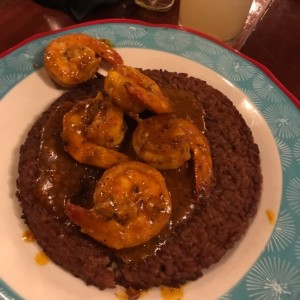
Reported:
(271, 35)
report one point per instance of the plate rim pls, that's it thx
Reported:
(262, 67)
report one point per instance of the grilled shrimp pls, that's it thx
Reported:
(92, 130)
(131, 205)
(166, 142)
(74, 58)
(135, 92)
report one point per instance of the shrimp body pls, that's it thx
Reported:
(166, 142)
(92, 130)
(75, 58)
(131, 205)
(135, 92)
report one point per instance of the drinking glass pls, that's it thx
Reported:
(222, 19)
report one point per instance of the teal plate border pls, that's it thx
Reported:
(276, 273)
(6, 293)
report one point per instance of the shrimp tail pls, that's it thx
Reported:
(79, 215)
(89, 222)
(203, 172)
(109, 54)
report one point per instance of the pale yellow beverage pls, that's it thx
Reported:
(222, 19)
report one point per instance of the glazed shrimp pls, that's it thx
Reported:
(75, 58)
(92, 130)
(166, 142)
(131, 205)
(135, 92)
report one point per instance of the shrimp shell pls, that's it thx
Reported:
(166, 142)
(131, 205)
(74, 58)
(91, 131)
(134, 91)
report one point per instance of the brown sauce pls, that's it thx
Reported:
(27, 236)
(185, 106)
(271, 216)
(130, 294)
(171, 293)
(62, 179)
(42, 259)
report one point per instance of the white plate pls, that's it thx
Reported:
(264, 263)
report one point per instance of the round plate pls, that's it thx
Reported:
(265, 263)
